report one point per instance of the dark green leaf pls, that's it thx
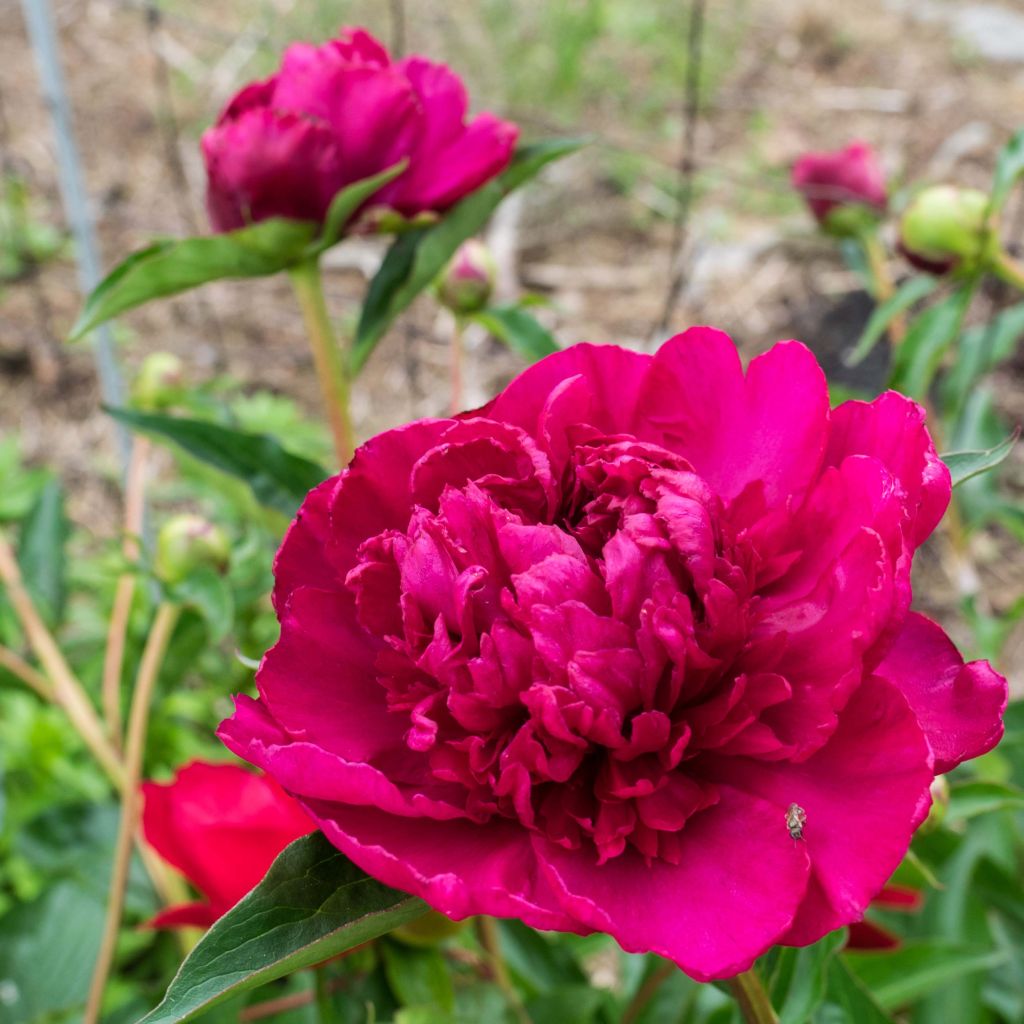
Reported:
(969, 799)
(964, 465)
(927, 340)
(279, 479)
(1009, 167)
(41, 542)
(912, 290)
(519, 330)
(348, 200)
(312, 905)
(169, 267)
(896, 977)
(416, 258)
(418, 977)
(209, 593)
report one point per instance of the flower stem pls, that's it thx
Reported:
(117, 631)
(881, 282)
(131, 802)
(646, 992)
(19, 667)
(752, 998)
(330, 368)
(457, 348)
(324, 1004)
(1007, 269)
(67, 690)
(490, 941)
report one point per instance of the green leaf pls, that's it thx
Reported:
(539, 963)
(896, 977)
(519, 330)
(980, 349)
(798, 977)
(964, 465)
(912, 290)
(577, 1003)
(170, 266)
(416, 258)
(41, 554)
(209, 593)
(279, 479)
(1009, 167)
(418, 977)
(312, 905)
(348, 200)
(969, 799)
(847, 1001)
(927, 340)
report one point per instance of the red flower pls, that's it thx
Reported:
(221, 826)
(627, 650)
(341, 112)
(847, 177)
(868, 935)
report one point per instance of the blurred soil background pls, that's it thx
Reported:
(935, 85)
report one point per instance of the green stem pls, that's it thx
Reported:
(330, 368)
(1007, 269)
(753, 999)
(882, 287)
(324, 1004)
(490, 941)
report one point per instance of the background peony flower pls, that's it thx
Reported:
(571, 657)
(843, 178)
(868, 935)
(337, 113)
(221, 826)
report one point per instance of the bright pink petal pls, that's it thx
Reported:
(769, 427)
(864, 793)
(959, 707)
(891, 429)
(734, 892)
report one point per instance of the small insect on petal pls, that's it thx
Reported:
(796, 818)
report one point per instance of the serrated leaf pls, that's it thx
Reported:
(41, 552)
(514, 326)
(964, 465)
(415, 259)
(912, 290)
(1009, 167)
(172, 266)
(896, 977)
(969, 799)
(279, 479)
(312, 905)
(928, 339)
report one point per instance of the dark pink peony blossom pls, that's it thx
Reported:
(221, 826)
(337, 113)
(572, 657)
(868, 935)
(846, 177)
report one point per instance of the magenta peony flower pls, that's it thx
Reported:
(574, 657)
(844, 178)
(341, 112)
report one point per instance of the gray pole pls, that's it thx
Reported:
(43, 38)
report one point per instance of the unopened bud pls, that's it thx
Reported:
(186, 543)
(940, 804)
(945, 228)
(466, 283)
(159, 383)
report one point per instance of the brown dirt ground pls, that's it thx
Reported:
(807, 74)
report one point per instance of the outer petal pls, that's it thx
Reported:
(864, 793)
(300, 560)
(769, 427)
(198, 915)
(892, 430)
(960, 707)
(269, 164)
(734, 892)
(459, 868)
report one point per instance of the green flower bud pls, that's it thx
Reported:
(945, 228)
(159, 383)
(186, 543)
(465, 285)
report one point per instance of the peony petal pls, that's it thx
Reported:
(959, 707)
(734, 892)
(864, 793)
(184, 915)
(768, 427)
(891, 429)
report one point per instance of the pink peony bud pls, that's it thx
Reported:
(186, 543)
(341, 112)
(466, 283)
(945, 228)
(845, 190)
